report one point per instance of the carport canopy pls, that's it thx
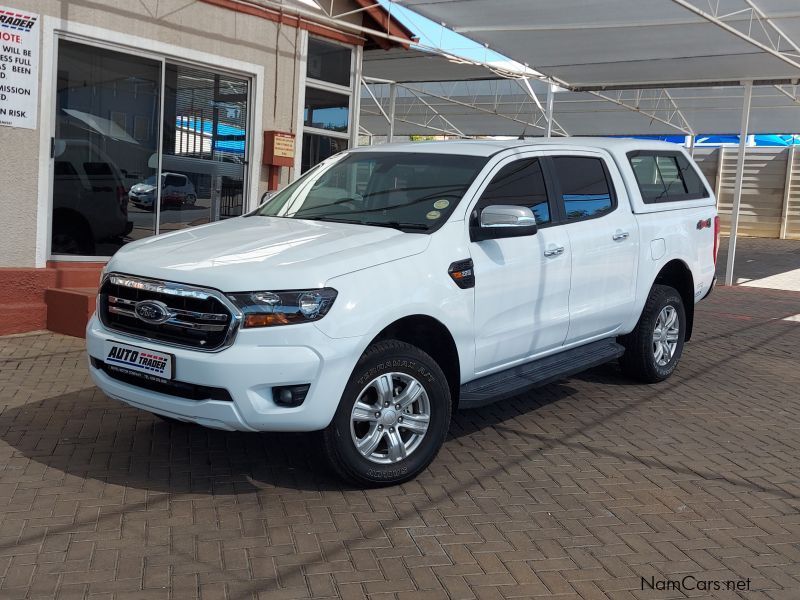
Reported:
(634, 43)
(629, 67)
(479, 106)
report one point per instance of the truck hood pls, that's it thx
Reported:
(265, 253)
(143, 188)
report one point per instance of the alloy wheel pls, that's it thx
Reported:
(390, 418)
(665, 335)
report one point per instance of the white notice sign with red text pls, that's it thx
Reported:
(19, 67)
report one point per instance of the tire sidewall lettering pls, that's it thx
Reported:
(394, 364)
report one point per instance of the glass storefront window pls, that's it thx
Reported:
(328, 62)
(106, 130)
(317, 148)
(203, 152)
(326, 110)
(110, 137)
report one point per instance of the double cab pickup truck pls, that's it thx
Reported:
(391, 285)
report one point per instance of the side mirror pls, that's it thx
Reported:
(503, 221)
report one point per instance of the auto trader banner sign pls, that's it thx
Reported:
(19, 67)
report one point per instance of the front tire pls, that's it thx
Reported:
(653, 349)
(393, 416)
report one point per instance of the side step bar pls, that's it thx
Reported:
(515, 380)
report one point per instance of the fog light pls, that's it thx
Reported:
(290, 395)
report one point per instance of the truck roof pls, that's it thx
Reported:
(489, 147)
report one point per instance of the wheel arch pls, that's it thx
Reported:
(432, 337)
(677, 274)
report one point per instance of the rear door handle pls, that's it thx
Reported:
(557, 251)
(620, 235)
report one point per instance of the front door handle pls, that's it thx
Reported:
(557, 251)
(620, 235)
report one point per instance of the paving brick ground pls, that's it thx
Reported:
(577, 490)
(763, 262)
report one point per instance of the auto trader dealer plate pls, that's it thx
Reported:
(139, 360)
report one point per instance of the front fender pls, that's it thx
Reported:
(371, 299)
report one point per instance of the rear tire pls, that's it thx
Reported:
(392, 418)
(653, 349)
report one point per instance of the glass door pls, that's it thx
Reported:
(142, 146)
(204, 149)
(106, 132)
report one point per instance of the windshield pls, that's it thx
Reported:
(152, 180)
(405, 190)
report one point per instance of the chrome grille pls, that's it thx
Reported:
(197, 318)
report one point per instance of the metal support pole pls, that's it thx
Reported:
(737, 189)
(787, 192)
(355, 115)
(718, 182)
(392, 101)
(549, 113)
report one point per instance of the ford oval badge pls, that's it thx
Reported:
(152, 311)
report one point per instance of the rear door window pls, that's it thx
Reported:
(586, 191)
(665, 176)
(174, 181)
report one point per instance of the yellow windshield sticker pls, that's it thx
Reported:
(433, 215)
(441, 204)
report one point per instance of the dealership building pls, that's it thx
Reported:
(120, 121)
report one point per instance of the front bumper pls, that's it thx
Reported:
(144, 200)
(258, 360)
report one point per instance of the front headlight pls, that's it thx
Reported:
(267, 309)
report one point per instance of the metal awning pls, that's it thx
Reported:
(634, 43)
(630, 67)
(481, 107)
(415, 65)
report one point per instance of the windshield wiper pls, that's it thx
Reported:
(396, 225)
(325, 218)
(392, 224)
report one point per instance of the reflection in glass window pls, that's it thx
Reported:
(104, 141)
(328, 62)
(317, 148)
(584, 187)
(520, 183)
(204, 147)
(327, 101)
(326, 110)
(106, 148)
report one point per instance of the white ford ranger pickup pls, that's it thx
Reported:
(390, 285)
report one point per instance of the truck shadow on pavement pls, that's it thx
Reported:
(87, 435)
